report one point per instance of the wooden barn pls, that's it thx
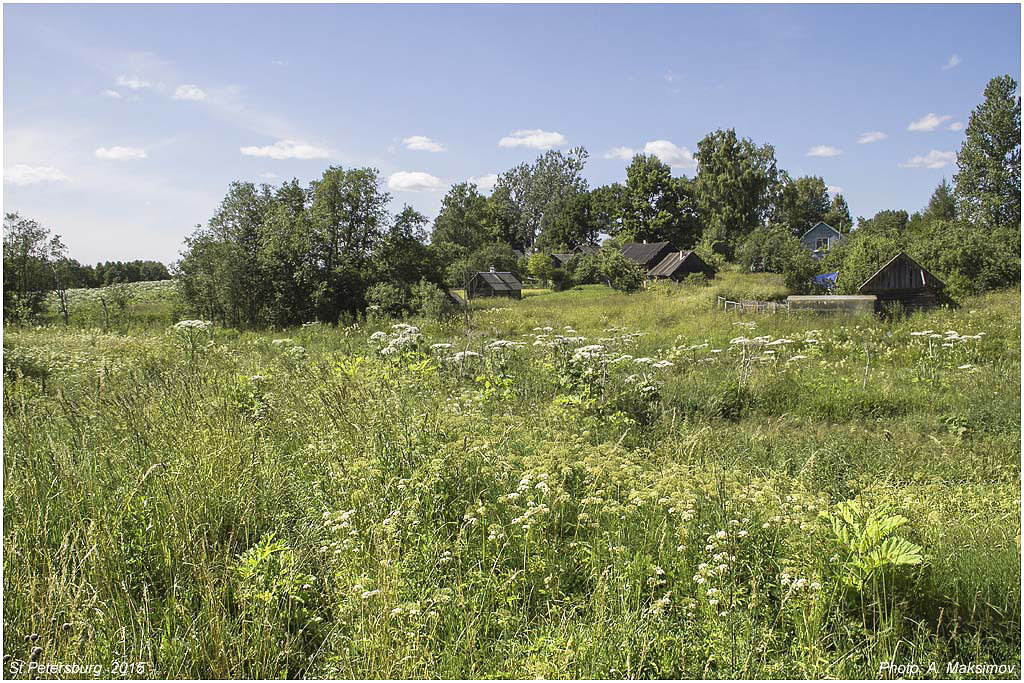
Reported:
(562, 260)
(494, 284)
(679, 264)
(906, 281)
(647, 255)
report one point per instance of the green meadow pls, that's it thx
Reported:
(583, 484)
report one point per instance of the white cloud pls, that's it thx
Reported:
(485, 183)
(286, 149)
(670, 153)
(23, 174)
(871, 136)
(133, 82)
(624, 153)
(534, 138)
(834, 189)
(953, 62)
(928, 122)
(414, 181)
(269, 176)
(189, 92)
(421, 143)
(112, 93)
(956, 126)
(934, 159)
(823, 151)
(118, 153)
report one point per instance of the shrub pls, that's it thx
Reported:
(427, 300)
(387, 298)
(619, 272)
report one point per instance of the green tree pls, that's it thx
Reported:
(541, 267)
(536, 193)
(608, 205)
(658, 207)
(462, 220)
(574, 224)
(735, 187)
(349, 216)
(942, 205)
(32, 258)
(838, 215)
(403, 257)
(988, 175)
(801, 203)
(618, 272)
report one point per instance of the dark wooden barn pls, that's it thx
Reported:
(906, 281)
(562, 260)
(679, 264)
(647, 255)
(494, 284)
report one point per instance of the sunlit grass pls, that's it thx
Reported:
(303, 503)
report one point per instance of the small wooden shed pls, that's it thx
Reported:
(906, 281)
(677, 265)
(494, 284)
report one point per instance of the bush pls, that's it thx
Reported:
(427, 300)
(619, 272)
(696, 280)
(387, 298)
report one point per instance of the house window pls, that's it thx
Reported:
(821, 244)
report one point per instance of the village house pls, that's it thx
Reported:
(680, 264)
(647, 255)
(820, 238)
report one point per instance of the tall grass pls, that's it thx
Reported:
(304, 503)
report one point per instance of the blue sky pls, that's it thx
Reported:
(123, 125)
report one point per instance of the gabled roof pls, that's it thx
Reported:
(642, 253)
(914, 276)
(671, 263)
(585, 249)
(821, 223)
(501, 282)
(563, 258)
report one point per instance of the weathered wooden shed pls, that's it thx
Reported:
(562, 260)
(679, 264)
(494, 284)
(906, 281)
(647, 254)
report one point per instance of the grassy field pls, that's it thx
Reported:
(578, 484)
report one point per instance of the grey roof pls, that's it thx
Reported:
(564, 258)
(585, 249)
(671, 263)
(501, 282)
(642, 252)
(816, 225)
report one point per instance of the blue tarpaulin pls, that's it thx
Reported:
(826, 279)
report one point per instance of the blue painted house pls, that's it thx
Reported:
(819, 239)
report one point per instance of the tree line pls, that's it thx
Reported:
(36, 263)
(292, 253)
